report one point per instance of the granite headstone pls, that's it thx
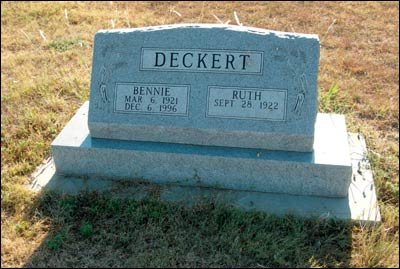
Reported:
(203, 84)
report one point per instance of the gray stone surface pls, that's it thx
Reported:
(205, 84)
(360, 205)
(324, 172)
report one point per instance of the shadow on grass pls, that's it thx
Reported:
(99, 230)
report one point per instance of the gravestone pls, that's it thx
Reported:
(205, 85)
(219, 106)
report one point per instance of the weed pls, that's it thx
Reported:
(63, 45)
(330, 102)
(21, 227)
(55, 242)
(86, 229)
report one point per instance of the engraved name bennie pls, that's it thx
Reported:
(202, 60)
(146, 98)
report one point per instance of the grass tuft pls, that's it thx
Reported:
(63, 45)
(86, 229)
(55, 242)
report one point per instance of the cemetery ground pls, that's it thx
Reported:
(46, 54)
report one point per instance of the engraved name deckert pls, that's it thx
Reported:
(202, 60)
(247, 103)
(147, 98)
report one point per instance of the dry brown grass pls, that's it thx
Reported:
(44, 81)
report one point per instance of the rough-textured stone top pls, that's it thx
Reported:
(205, 84)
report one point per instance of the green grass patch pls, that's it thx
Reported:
(66, 44)
(55, 242)
(334, 101)
(86, 229)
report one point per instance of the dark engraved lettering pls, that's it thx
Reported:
(151, 98)
(132, 106)
(249, 95)
(215, 61)
(247, 103)
(235, 94)
(201, 60)
(184, 60)
(163, 55)
(174, 59)
(223, 103)
(162, 91)
(229, 61)
(244, 60)
(133, 99)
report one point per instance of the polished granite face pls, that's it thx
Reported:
(205, 84)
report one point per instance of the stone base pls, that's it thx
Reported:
(360, 205)
(324, 172)
(337, 167)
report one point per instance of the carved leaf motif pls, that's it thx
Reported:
(301, 95)
(104, 99)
